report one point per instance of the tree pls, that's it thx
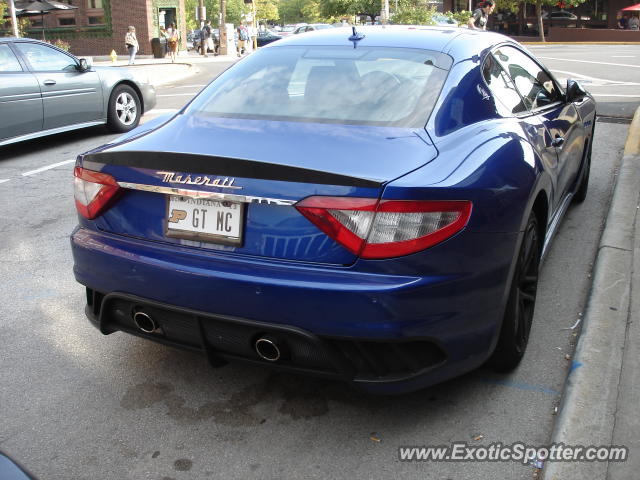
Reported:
(291, 11)
(410, 13)
(339, 8)
(235, 10)
(267, 10)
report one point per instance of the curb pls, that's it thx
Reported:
(588, 413)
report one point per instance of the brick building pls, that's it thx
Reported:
(98, 26)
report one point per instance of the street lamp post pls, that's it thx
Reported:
(14, 20)
(223, 28)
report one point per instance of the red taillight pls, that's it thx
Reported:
(387, 228)
(93, 191)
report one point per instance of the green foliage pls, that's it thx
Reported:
(267, 10)
(511, 5)
(414, 12)
(342, 8)
(3, 7)
(291, 11)
(311, 11)
(235, 9)
(462, 17)
(23, 25)
(61, 44)
(409, 14)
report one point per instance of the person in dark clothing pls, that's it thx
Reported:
(480, 17)
(205, 37)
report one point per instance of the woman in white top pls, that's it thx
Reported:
(634, 23)
(131, 42)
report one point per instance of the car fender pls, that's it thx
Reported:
(111, 77)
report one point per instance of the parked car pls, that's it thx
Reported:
(11, 470)
(289, 29)
(371, 207)
(266, 37)
(559, 15)
(45, 90)
(311, 28)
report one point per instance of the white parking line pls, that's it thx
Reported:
(590, 61)
(48, 167)
(594, 79)
(2, 181)
(161, 111)
(608, 95)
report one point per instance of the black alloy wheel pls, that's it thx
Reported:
(518, 317)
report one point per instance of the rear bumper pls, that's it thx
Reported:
(387, 333)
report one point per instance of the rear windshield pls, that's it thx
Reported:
(361, 86)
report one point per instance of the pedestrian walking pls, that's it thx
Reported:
(205, 37)
(243, 36)
(173, 38)
(480, 17)
(131, 42)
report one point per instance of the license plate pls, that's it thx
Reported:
(204, 219)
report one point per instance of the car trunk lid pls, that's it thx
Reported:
(261, 169)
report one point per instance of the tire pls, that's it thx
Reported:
(581, 192)
(124, 109)
(518, 316)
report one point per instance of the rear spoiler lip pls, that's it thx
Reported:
(225, 166)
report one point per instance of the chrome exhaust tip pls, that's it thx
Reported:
(144, 322)
(268, 349)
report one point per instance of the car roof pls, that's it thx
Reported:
(22, 39)
(446, 39)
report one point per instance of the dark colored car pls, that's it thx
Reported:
(45, 90)
(266, 37)
(371, 207)
(11, 470)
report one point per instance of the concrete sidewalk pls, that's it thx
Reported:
(161, 71)
(602, 392)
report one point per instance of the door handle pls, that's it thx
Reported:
(556, 142)
(49, 82)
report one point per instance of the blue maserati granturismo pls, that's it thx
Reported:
(368, 205)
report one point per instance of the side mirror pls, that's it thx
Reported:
(575, 92)
(84, 65)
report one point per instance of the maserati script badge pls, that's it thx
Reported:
(171, 177)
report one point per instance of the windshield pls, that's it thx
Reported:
(362, 86)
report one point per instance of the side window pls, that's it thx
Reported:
(502, 86)
(8, 61)
(46, 59)
(533, 83)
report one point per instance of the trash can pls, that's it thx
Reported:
(159, 47)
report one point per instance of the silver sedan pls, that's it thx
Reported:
(45, 90)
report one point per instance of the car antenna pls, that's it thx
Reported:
(355, 37)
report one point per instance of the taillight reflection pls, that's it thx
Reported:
(93, 191)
